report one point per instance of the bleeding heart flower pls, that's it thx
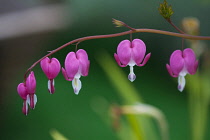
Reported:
(131, 53)
(21, 89)
(76, 64)
(51, 68)
(182, 63)
(30, 88)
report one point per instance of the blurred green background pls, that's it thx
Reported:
(75, 116)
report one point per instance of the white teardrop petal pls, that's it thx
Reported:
(35, 100)
(181, 83)
(77, 85)
(131, 76)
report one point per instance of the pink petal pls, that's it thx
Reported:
(145, 60)
(118, 60)
(124, 52)
(51, 67)
(83, 61)
(71, 65)
(190, 59)
(176, 62)
(82, 55)
(45, 65)
(65, 75)
(54, 68)
(21, 89)
(31, 83)
(138, 50)
(84, 67)
(170, 71)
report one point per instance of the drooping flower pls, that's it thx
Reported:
(131, 53)
(30, 88)
(76, 65)
(51, 68)
(182, 63)
(22, 91)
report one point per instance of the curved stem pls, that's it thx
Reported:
(179, 30)
(186, 36)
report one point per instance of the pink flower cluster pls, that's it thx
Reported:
(133, 53)
(77, 64)
(27, 93)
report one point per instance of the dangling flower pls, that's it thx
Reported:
(51, 68)
(182, 63)
(131, 53)
(76, 64)
(30, 88)
(21, 89)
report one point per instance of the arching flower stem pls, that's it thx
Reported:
(186, 36)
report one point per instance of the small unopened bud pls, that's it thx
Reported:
(166, 10)
(118, 23)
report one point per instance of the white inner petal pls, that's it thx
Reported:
(35, 100)
(132, 62)
(77, 85)
(184, 71)
(78, 75)
(49, 87)
(181, 79)
(131, 75)
(181, 83)
(26, 107)
(53, 82)
(28, 100)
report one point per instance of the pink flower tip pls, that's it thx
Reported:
(31, 83)
(22, 91)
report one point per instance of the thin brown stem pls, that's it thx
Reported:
(133, 29)
(182, 43)
(186, 36)
(177, 28)
(131, 37)
(76, 46)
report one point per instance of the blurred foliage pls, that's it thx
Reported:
(57, 135)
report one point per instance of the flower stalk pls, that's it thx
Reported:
(186, 36)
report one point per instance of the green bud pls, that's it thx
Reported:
(118, 23)
(166, 10)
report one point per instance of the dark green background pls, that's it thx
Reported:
(73, 115)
